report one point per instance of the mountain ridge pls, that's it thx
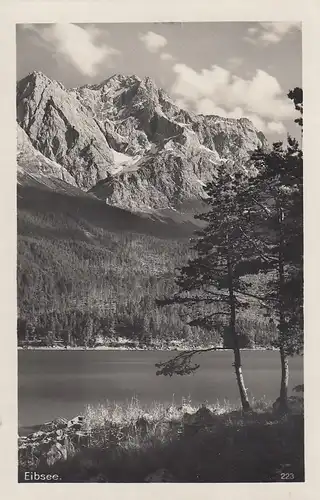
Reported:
(127, 142)
(109, 178)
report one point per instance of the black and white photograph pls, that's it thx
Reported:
(160, 269)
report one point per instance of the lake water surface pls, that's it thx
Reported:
(62, 383)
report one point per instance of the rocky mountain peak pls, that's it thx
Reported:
(127, 141)
(37, 80)
(37, 76)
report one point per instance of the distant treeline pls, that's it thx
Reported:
(81, 284)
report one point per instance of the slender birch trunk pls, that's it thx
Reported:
(283, 398)
(236, 350)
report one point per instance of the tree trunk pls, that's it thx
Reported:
(236, 350)
(283, 399)
(240, 380)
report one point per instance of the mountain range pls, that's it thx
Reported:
(110, 177)
(125, 141)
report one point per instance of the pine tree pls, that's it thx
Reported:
(296, 95)
(274, 201)
(210, 285)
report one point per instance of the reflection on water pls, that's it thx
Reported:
(62, 383)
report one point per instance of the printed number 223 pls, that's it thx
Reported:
(287, 475)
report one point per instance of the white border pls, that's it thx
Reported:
(12, 12)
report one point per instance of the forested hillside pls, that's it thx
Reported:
(110, 176)
(88, 272)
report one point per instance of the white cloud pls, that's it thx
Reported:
(258, 122)
(165, 56)
(77, 45)
(207, 107)
(271, 32)
(250, 40)
(276, 127)
(261, 95)
(152, 41)
(280, 27)
(270, 37)
(182, 103)
(234, 62)
(252, 30)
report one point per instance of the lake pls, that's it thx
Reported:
(62, 383)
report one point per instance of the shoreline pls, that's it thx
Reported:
(153, 348)
(135, 446)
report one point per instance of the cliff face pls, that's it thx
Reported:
(127, 142)
(61, 128)
(32, 163)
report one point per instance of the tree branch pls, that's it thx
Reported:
(202, 320)
(181, 364)
(216, 294)
(265, 209)
(251, 295)
(263, 257)
(187, 300)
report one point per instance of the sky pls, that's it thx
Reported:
(232, 69)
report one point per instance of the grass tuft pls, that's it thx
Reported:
(129, 441)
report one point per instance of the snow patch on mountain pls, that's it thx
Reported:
(126, 141)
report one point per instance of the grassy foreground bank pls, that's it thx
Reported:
(211, 443)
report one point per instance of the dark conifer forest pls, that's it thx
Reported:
(80, 280)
